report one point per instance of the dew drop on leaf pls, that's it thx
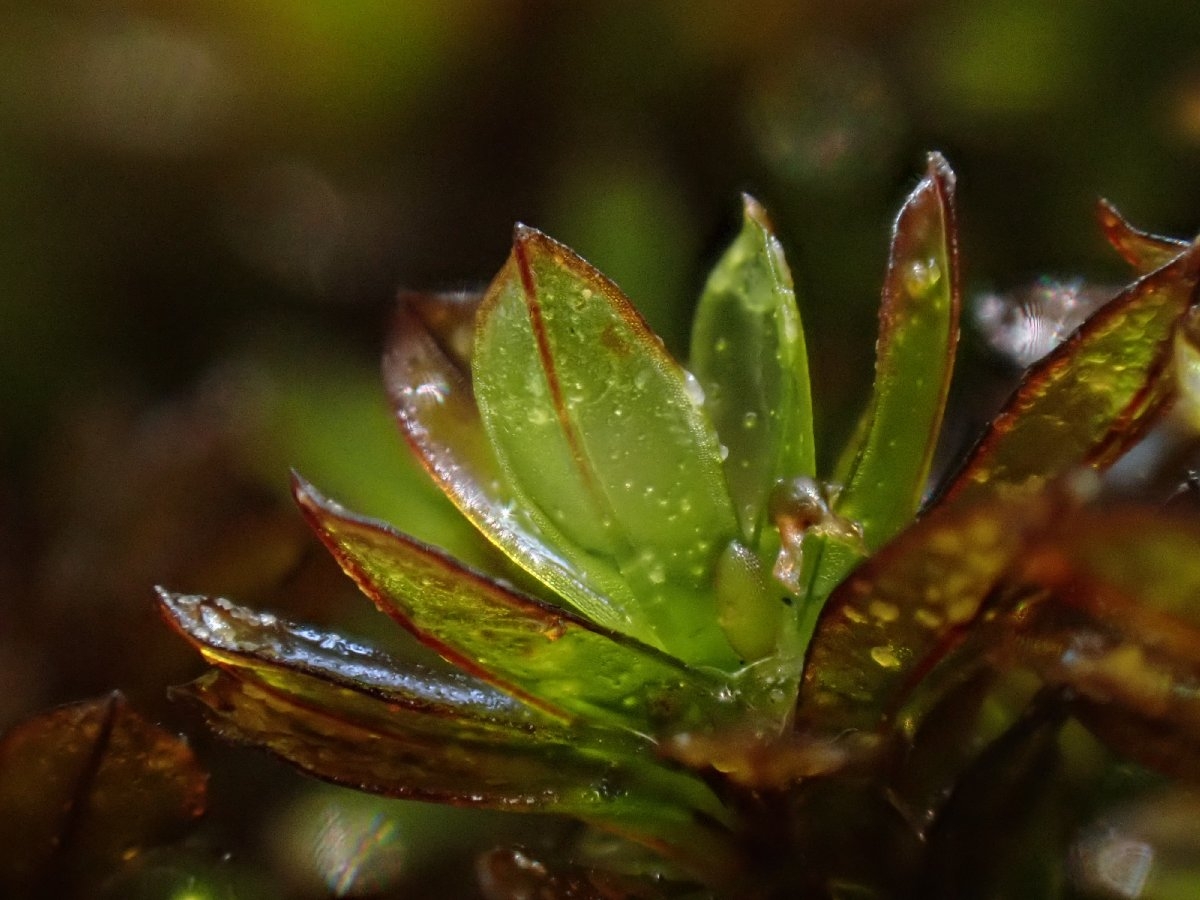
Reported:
(885, 657)
(922, 276)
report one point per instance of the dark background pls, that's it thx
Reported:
(206, 209)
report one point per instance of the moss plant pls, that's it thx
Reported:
(762, 679)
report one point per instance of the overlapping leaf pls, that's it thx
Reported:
(83, 788)
(605, 441)
(352, 715)
(545, 656)
(883, 472)
(908, 606)
(1091, 398)
(428, 373)
(748, 353)
(1115, 616)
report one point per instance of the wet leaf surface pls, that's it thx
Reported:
(86, 787)
(1086, 402)
(1142, 250)
(890, 623)
(361, 746)
(545, 656)
(296, 660)
(883, 472)
(351, 715)
(880, 478)
(427, 369)
(748, 353)
(605, 440)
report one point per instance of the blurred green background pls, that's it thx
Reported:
(206, 209)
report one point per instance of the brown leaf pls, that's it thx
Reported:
(85, 787)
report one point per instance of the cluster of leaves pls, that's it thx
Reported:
(774, 684)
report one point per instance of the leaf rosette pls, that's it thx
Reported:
(699, 645)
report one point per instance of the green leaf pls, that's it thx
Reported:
(547, 657)
(311, 665)
(1086, 402)
(352, 715)
(748, 353)
(907, 607)
(428, 376)
(84, 787)
(883, 472)
(319, 733)
(605, 441)
(1142, 250)
(883, 482)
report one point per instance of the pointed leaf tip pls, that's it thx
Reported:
(605, 442)
(1142, 250)
(939, 170)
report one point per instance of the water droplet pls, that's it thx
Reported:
(922, 276)
(434, 391)
(724, 452)
(721, 346)
(750, 420)
(885, 657)
(538, 415)
(691, 386)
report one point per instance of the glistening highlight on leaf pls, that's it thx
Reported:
(762, 682)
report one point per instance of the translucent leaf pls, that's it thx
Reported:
(427, 370)
(907, 607)
(85, 787)
(883, 482)
(883, 472)
(748, 353)
(365, 682)
(1114, 617)
(1091, 398)
(369, 750)
(544, 656)
(605, 441)
(1142, 250)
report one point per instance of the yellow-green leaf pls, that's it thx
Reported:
(428, 375)
(883, 472)
(605, 441)
(545, 656)
(748, 352)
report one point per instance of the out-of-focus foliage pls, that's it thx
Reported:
(86, 788)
